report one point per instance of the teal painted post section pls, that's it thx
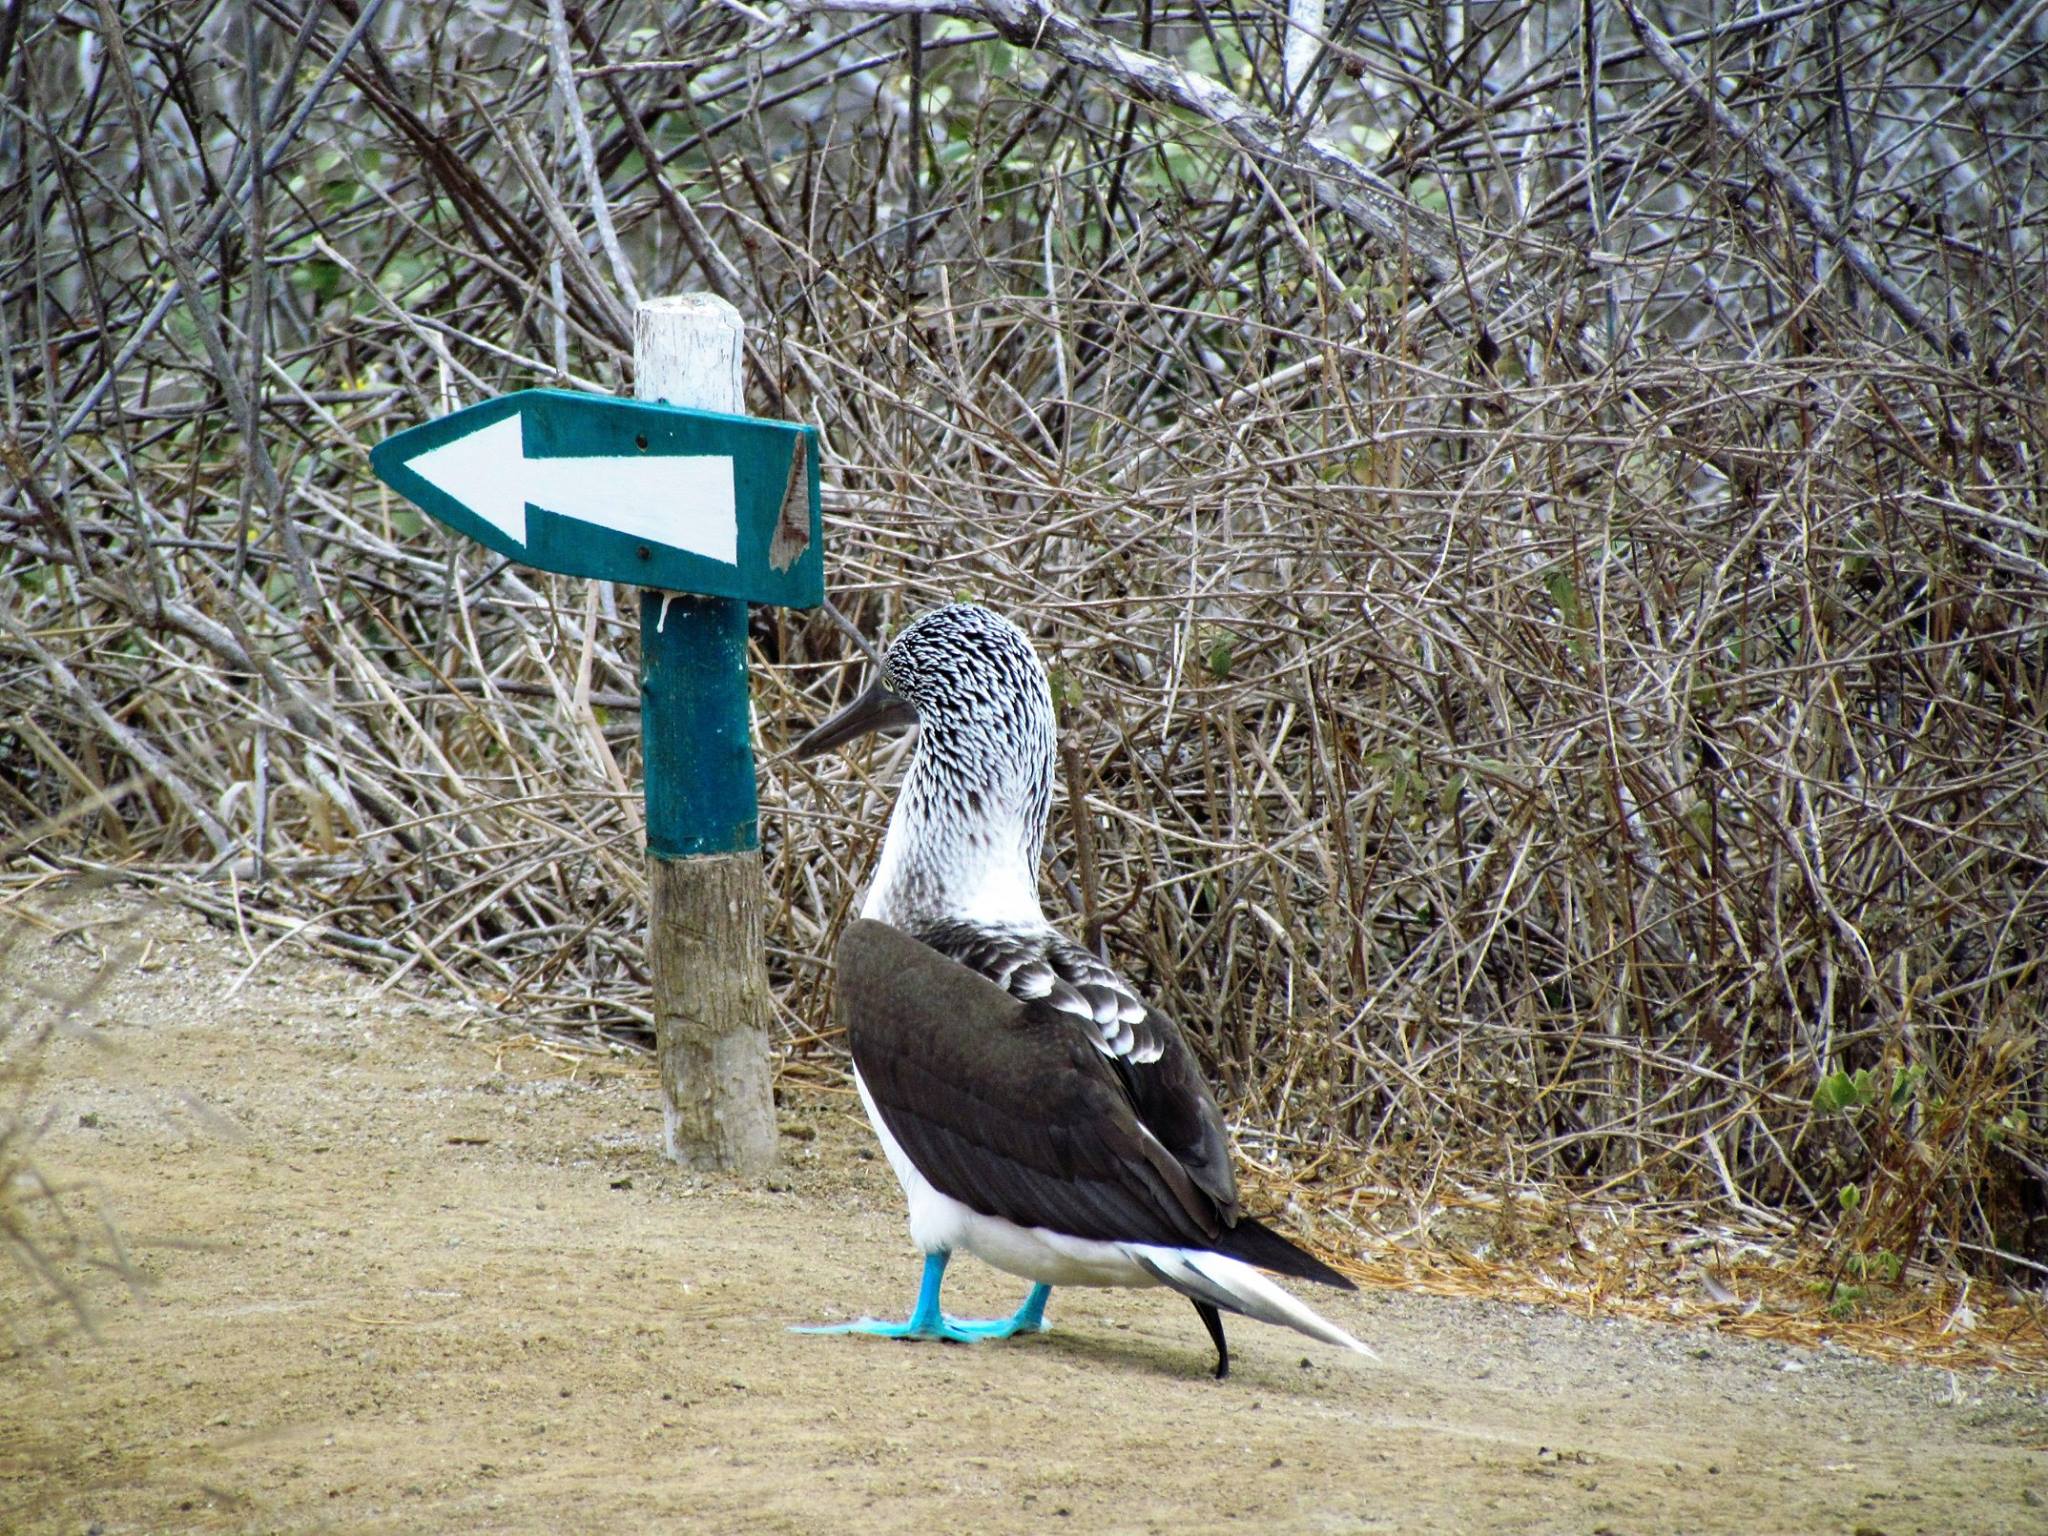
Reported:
(694, 718)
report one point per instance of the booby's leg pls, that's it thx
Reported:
(1029, 1318)
(927, 1321)
(1213, 1321)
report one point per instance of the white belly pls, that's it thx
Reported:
(938, 1223)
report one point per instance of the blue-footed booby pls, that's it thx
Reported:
(1036, 1112)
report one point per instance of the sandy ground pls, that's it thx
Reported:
(394, 1274)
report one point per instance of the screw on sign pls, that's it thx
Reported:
(706, 510)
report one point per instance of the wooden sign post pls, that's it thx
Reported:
(704, 880)
(706, 510)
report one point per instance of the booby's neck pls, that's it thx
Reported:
(964, 839)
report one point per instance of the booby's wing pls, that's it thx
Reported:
(1009, 1107)
(1151, 1057)
(1033, 963)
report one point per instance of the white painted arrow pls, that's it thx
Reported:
(684, 502)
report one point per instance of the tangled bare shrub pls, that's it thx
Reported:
(1540, 539)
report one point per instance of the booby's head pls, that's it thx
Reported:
(963, 841)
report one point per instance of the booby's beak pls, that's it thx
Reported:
(876, 710)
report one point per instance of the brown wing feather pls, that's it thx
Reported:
(1011, 1109)
(1150, 1057)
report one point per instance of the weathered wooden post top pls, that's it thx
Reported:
(706, 510)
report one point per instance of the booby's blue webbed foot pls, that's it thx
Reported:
(928, 1321)
(1028, 1318)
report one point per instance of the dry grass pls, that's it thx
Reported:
(1537, 730)
(1664, 1264)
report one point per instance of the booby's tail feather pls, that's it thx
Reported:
(1254, 1242)
(1233, 1285)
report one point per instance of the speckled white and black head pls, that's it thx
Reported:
(964, 839)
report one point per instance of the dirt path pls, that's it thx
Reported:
(401, 1277)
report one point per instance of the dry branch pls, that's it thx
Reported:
(1796, 191)
(1506, 300)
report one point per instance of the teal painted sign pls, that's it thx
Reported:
(624, 490)
(705, 512)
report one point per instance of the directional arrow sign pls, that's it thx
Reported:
(685, 501)
(620, 490)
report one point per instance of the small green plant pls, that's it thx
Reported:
(2012, 1123)
(1845, 1300)
(1861, 1274)
(1880, 1267)
(1066, 693)
(1219, 653)
(1844, 1092)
